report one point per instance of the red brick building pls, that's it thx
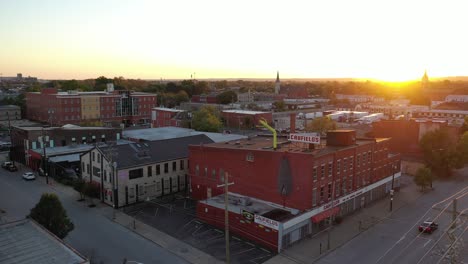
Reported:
(295, 188)
(245, 118)
(205, 98)
(74, 107)
(163, 117)
(406, 134)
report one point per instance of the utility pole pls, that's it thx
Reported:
(392, 190)
(226, 213)
(44, 155)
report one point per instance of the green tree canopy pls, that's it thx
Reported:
(50, 213)
(227, 97)
(206, 119)
(439, 150)
(279, 106)
(321, 125)
(423, 177)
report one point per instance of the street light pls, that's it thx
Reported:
(392, 190)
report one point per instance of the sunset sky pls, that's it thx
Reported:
(390, 40)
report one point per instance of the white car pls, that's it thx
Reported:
(29, 176)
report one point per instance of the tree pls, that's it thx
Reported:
(439, 150)
(50, 213)
(279, 106)
(464, 127)
(462, 149)
(423, 178)
(321, 125)
(78, 186)
(227, 97)
(206, 119)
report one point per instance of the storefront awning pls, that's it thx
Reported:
(325, 214)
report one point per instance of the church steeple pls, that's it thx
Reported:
(424, 80)
(277, 83)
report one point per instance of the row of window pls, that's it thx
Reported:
(213, 173)
(348, 163)
(138, 173)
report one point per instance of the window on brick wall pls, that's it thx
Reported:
(322, 170)
(150, 171)
(314, 197)
(351, 163)
(338, 166)
(166, 167)
(329, 191)
(182, 165)
(314, 173)
(174, 166)
(330, 169)
(158, 169)
(321, 193)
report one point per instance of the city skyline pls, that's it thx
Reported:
(391, 40)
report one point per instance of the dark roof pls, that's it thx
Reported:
(137, 154)
(25, 241)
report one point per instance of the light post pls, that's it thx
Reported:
(392, 190)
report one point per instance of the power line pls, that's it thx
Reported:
(418, 221)
(453, 244)
(445, 208)
(445, 231)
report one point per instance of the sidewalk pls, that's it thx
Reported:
(167, 242)
(308, 250)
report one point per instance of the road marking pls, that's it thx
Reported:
(248, 243)
(236, 238)
(245, 251)
(428, 241)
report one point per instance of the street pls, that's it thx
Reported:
(396, 239)
(94, 236)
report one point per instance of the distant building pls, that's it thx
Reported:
(26, 241)
(245, 118)
(458, 98)
(130, 173)
(10, 112)
(406, 134)
(163, 117)
(205, 98)
(424, 81)
(19, 76)
(277, 83)
(108, 107)
(245, 97)
(26, 139)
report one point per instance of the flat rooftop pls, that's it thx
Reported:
(238, 202)
(160, 133)
(265, 143)
(244, 112)
(27, 242)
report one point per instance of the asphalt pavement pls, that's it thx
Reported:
(396, 239)
(95, 235)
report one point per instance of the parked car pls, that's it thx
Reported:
(6, 164)
(428, 227)
(12, 167)
(29, 176)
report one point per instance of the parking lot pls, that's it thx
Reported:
(175, 215)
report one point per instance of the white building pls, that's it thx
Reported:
(459, 98)
(135, 172)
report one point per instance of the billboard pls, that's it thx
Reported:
(311, 138)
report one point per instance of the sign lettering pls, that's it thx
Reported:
(305, 138)
(266, 222)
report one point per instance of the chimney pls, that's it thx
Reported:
(292, 124)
